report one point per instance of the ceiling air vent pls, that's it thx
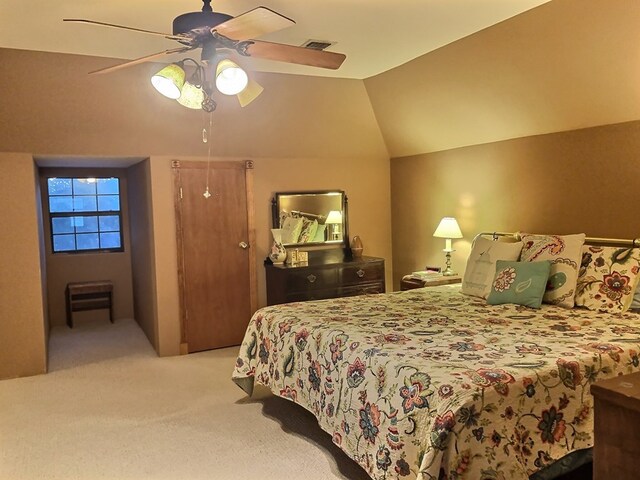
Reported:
(317, 44)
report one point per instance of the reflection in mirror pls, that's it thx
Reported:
(311, 218)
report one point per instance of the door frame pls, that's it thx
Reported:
(251, 232)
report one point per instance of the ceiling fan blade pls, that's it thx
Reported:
(146, 58)
(93, 22)
(293, 54)
(251, 24)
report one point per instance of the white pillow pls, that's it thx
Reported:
(291, 229)
(481, 265)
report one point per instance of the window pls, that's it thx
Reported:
(85, 214)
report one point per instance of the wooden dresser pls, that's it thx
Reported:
(327, 274)
(616, 427)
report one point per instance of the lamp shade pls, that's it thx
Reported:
(230, 78)
(191, 96)
(169, 81)
(334, 217)
(448, 228)
(249, 94)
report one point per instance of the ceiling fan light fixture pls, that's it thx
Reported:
(230, 78)
(249, 94)
(169, 81)
(191, 96)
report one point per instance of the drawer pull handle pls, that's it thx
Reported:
(311, 278)
(360, 273)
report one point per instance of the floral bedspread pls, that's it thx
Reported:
(433, 384)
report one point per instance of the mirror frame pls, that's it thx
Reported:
(344, 243)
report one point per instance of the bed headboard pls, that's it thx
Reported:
(609, 242)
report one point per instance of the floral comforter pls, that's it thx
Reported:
(433, 384)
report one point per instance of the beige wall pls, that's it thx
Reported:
(81, 267)
(23, 334)
(142, 249)
(564, 65)
(303, 133)
(580, 181)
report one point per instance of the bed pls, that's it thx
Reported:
(436, 384)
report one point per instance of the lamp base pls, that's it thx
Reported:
(447, 271)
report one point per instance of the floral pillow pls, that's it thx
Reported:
(522, 283)
(481, 264)
(608, 278)
(565, 253)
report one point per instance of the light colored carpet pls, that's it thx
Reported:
(111, 409)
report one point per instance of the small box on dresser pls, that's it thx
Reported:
(616, 442)
(326, 274)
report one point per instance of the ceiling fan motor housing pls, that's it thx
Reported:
(198, 20)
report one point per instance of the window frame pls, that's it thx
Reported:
(94, 213)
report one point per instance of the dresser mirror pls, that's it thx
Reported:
(312, 218)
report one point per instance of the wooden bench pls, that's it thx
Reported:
(88, 296)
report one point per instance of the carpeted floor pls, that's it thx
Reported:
(111, 409)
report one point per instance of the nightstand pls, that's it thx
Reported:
(409, 283)
(616, 434)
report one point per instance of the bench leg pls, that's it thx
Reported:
(110, 307)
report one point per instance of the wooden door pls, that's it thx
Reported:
(216, 257)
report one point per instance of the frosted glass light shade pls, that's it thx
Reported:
(191, 96)
(169, 81)
(448, 228)
(249, 94)
(230, 78)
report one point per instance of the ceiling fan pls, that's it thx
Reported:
(218, 35)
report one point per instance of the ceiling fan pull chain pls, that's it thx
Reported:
(205, 139)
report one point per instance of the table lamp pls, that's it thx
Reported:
(334, 220)
(448, 228)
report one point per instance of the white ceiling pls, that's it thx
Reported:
(376, 35)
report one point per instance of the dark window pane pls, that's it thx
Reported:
(87, 241)
(60, 204)
(84, 186)
(86, 224)
(84, 204)
(62, 225)
(63, 243)
(109, 240)
(109, 223)
(108, 185)
(108, 203)
(59, 186)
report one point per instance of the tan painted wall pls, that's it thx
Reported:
(81, 267)
(142, 249)
(23, 334)
(303, 133)
(570, 182)
(565, 65)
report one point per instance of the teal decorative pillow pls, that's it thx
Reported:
(522, 283)
(608, 278)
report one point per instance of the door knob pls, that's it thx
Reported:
(243, 245)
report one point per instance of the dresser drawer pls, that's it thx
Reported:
(362, 273)
(311, 279)
(362, 289)
(313, 294)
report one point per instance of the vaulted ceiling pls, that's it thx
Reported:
(376, 35)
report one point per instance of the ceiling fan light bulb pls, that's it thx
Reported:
(169, 81)
(230, 78)
(191, 96)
